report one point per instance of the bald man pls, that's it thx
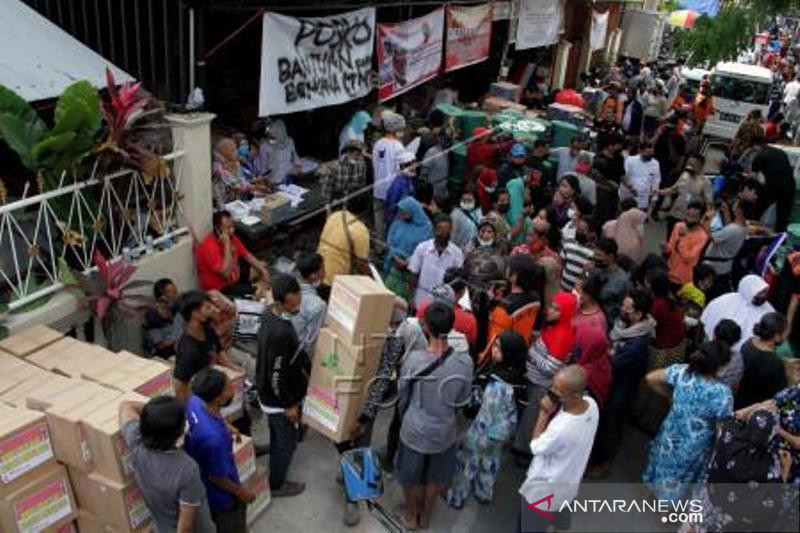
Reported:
(561, 443)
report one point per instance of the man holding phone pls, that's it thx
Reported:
(224, 264)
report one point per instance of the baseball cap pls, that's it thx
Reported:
(518, 150)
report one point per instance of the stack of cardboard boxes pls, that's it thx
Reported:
(347, 355)
(59, 403)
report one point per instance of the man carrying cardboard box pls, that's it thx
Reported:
(199, 346)
(210, 443)
(168, 478)
(282, 370)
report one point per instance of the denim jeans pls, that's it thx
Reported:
(282, 444)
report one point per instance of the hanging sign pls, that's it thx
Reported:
(539, 23)
(469, 35)
(315, 62)
(409, 53)
(597, 37)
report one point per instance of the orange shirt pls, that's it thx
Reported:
(703, 107)
(685, 247)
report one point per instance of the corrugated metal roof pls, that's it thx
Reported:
(39, 60)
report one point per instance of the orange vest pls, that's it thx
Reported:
(521, 321)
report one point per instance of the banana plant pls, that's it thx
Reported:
(77, 123)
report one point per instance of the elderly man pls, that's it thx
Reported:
(347, 175)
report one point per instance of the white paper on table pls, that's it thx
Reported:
(376, 275)
(465, 302)
(293, 189)
(293, 199)
(250, 220)
(238, 209)
(307, 165)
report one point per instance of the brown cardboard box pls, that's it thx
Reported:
(109, 453)
(25, 447)
(134, 374)
(340, 375)
(18, 395)
(72, 358)
(65, 415)
(359, 309)
(244, 455)
(44, 504)
(275, 208)
(26, 342)
(14, 371)
(71, 527)
(117, 505)
(89, 523)
(236, 408)
(260, 484)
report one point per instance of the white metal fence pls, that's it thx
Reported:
(106, 213)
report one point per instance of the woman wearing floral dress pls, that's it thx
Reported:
(681, 451)
(478, 459)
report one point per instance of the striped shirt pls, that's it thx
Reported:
(575, 257)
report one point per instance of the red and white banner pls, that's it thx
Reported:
(469, 35)
(409, 53)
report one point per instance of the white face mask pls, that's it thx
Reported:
(485, 243)
(572, 214)
(490, 190)
(467, 206)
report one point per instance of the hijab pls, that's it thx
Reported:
(354, 129)
(405, 235)
(559, 337)
(516, 195)
(487, 182)
(277, 130)
(742, 452)
(738, 306)
(595, 361)
(514, 349)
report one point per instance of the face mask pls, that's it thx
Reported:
(442, 241)
(243, 150)
(581, 237)
(572, 214)
(227, 402)
(467, 206)
(486, 243)
(692, 225)
(316, 283)
(759, 300)
(490, 190)
(286, 315)
(503, 208)
(646, 158)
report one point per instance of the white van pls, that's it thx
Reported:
(737, 89)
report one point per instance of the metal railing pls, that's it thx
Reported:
(110, 213)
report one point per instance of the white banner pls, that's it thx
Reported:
(597, 38)
(502, 10)
(315, 62)
(540, 23)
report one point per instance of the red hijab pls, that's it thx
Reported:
(595, 360)
(559, 337)
(487, 178)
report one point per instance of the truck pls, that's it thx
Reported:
(642, 33)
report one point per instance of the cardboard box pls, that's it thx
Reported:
(18, 395)
(275, 208)
(506, 90)
(493, 104)
(26, 342)
(134, 374)
(72, 358)
(25, 447)
(340, 375)
(89, 523)
(117, 505)
(109, 454)
(71, 527)
(244, 455)
(44, 504)
(359, 309)
(14, 371)
(260, 484)
(236, 408)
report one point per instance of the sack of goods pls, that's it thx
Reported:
(347, 355)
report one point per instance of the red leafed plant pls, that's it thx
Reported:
(136, 129)
(107, 296)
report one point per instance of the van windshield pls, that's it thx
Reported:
(730, 88)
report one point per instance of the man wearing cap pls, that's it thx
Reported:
(402, 185)
(347, 175)
(515, 167)
(386, 165)
(568, 156)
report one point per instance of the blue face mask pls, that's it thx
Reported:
(243, 151)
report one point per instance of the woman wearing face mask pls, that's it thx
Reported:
(540, 247)
(277, 153)
(466, 217)
(628, 230)
(355, 129)
(410, 227)
(478, 459)
(486, 179)
(501, 204)
(552, 351)
(568, 188)
(746, 307)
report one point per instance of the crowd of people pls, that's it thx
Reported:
(534, 287)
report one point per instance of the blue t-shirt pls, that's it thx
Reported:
(211, 445)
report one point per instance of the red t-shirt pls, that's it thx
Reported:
(464, 322)
(209, 259)
(670, 330)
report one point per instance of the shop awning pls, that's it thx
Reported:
(38, 59)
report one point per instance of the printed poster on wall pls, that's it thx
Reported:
(315, 62)
(469, 35)
(539, 23)
(597, 37)
(409, 53)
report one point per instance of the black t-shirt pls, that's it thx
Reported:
(611, 168)
(669, 150)
(788, 288)
(763, 377)
(194, 355)
(777, 170)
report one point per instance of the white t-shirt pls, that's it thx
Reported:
(385, 165)
(790, 91)
(644, 177)
(560, 455)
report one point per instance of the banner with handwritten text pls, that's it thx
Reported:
(469, 34)
(315, 62)
(409, 53)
